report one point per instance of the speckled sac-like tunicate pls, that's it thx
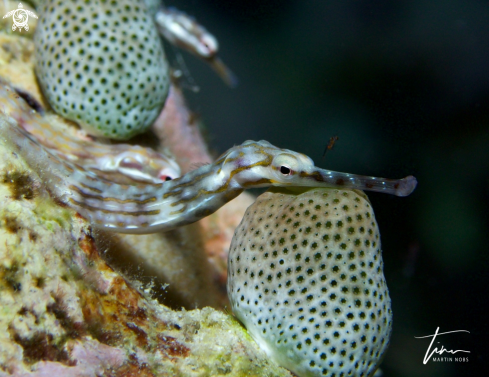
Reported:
(305, 276)
(101, 64)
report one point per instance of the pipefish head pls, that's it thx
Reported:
(260, 164)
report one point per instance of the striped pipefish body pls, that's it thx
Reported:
(151, 207)
(132, 161)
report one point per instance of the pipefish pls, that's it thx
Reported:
(152, 207)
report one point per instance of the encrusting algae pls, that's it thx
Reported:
(65, 312)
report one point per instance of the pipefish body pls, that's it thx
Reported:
(133, 161)
(152, 207)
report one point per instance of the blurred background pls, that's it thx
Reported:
(405, 87)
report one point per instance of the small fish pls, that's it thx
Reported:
(152, 207)
(332, 142)
(135, 162)
(185, 32)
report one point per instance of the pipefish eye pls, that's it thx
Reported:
(285, 170)
(286, 164)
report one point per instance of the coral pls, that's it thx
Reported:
(64, 311)
(306, 278)
(102, 64)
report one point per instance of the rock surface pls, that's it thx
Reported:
(64, 311)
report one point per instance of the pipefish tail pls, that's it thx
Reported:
(152, 207)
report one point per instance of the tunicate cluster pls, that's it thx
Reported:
(305, 276)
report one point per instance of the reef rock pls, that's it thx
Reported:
(65, 312)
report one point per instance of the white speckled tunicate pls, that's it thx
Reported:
(101, 63)
(306, 279)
